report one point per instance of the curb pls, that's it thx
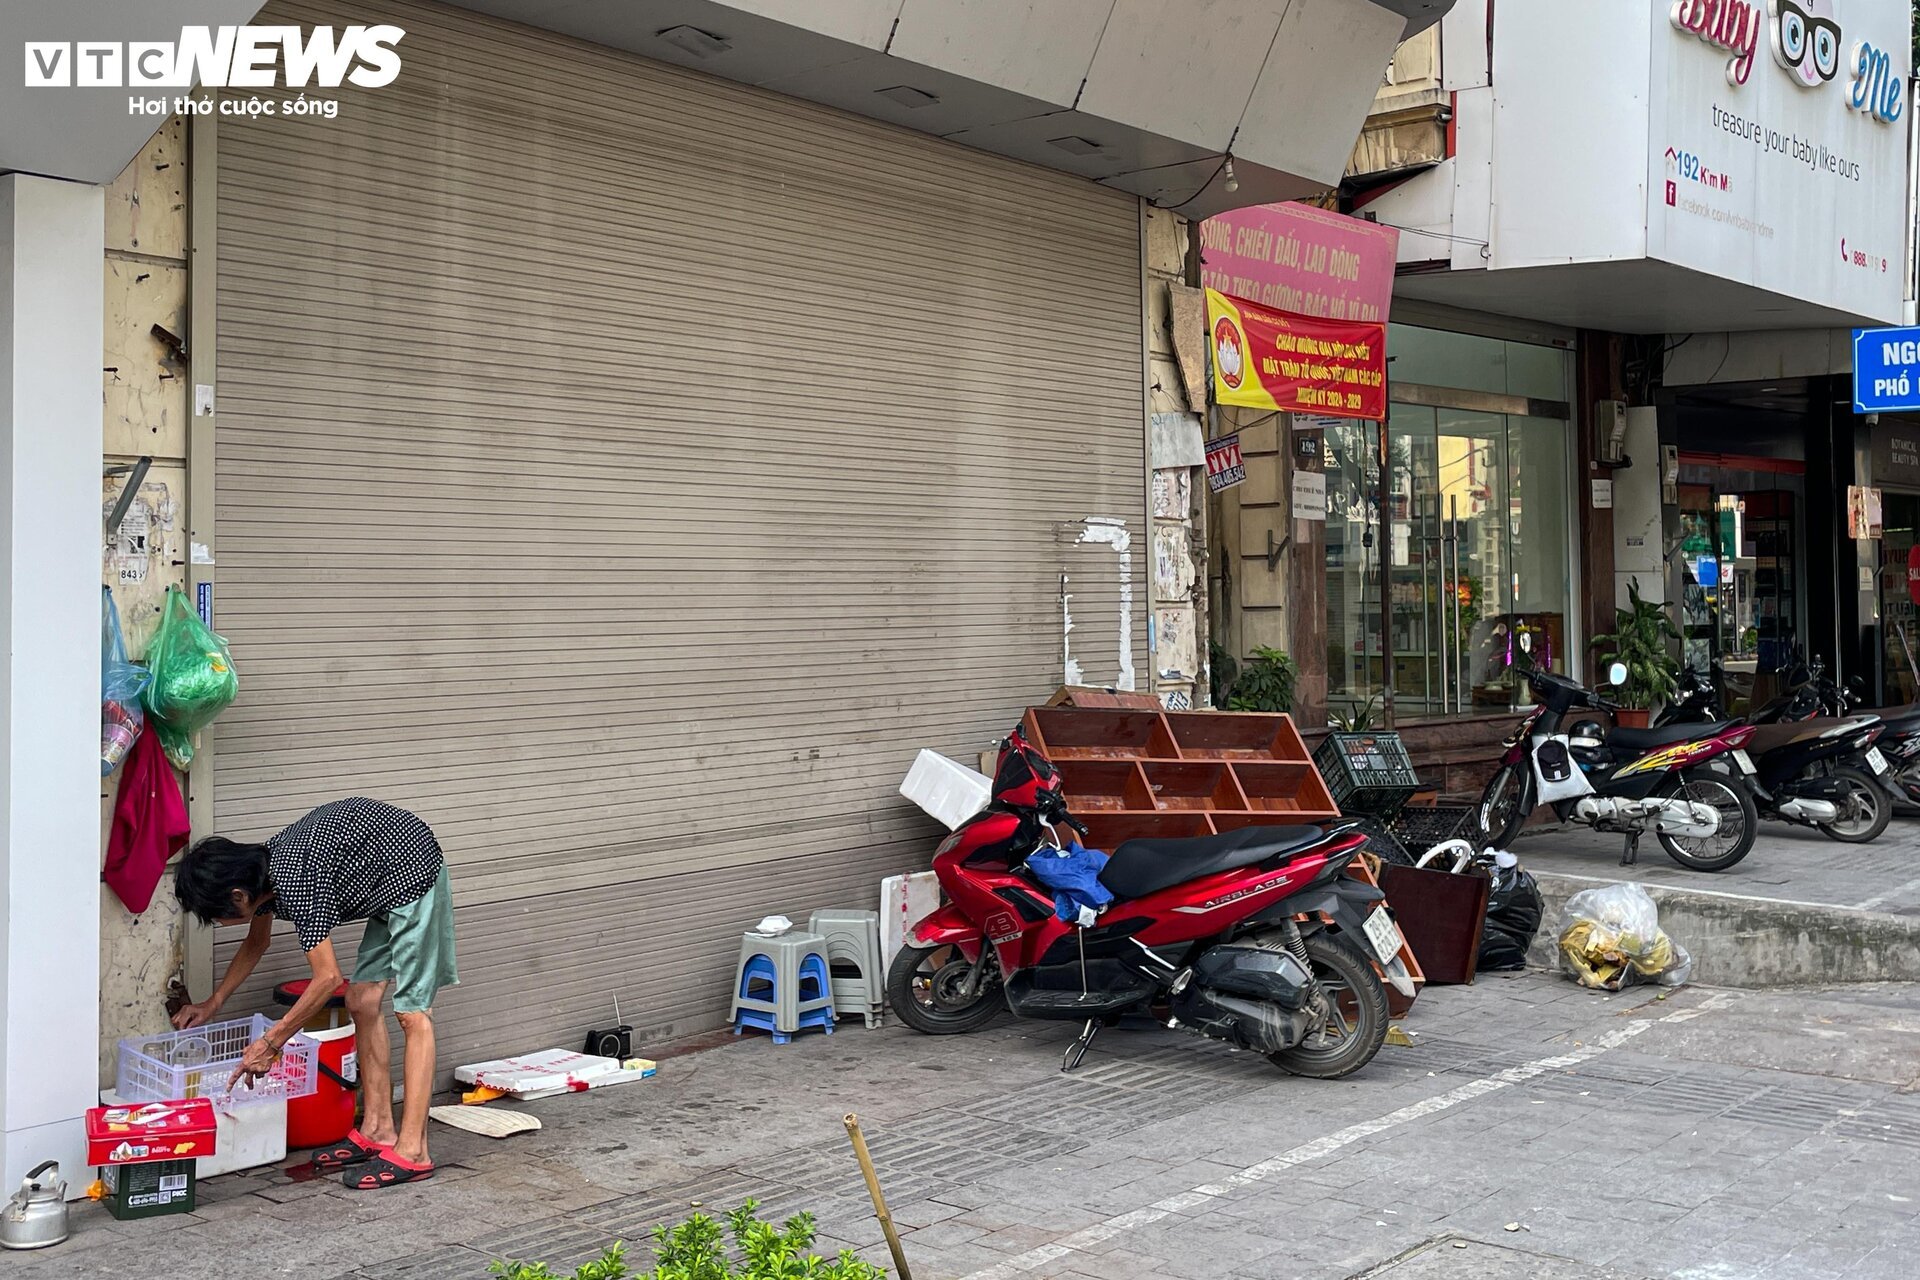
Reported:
(1739, 941)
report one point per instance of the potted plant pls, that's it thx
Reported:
(1639, 644)
(1265, 683)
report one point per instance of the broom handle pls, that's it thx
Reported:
(879, 1200)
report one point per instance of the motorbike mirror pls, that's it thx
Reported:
(1617, 673)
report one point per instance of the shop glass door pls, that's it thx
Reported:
(1481, 558)
(1899, 615)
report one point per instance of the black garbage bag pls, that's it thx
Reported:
(1514, 909)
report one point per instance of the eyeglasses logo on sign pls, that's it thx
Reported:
(245, 57)
(1806, 40)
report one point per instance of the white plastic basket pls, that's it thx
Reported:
(197, 1063)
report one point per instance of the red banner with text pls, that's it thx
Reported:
(1267, 359)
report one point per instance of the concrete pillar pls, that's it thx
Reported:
(51, 285)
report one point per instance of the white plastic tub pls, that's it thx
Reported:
(244, 1137)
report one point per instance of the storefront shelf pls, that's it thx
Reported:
(1293, 788)
(1110, 830)
(1104, 785)
(1227, 735)
(1193, 785)
(1201, 772)
(1087, 733)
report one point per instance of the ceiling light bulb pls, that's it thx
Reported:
(1233, 183)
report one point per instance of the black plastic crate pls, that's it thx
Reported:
(1420, 827)
(1368, 773)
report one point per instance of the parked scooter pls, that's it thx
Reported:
(1629, 781)
(1813, 765)
(1251, 937)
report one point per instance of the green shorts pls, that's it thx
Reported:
(411, 947)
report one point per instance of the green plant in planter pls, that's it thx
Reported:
(1266, 683)
(1640, 641)
(698, 1249)
(1357, 718)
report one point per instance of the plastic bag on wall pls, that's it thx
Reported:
(1611, 938)
(122, 681)
(193, 677)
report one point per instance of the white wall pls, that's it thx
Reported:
(1755, 357)
(51, 285)
(1638, 543)
(1569, 133)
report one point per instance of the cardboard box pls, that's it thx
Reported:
(150, 1188)
(150, 1131)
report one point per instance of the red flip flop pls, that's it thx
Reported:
(357, 1149)
(385, 1170)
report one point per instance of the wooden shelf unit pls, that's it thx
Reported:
(1132, 773)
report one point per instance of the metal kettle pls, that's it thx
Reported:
(36, 1216)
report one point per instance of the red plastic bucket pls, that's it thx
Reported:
(326, 1115)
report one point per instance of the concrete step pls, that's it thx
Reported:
(1742, 941)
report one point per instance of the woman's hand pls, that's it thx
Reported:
(194, 1015)
(258, 1060)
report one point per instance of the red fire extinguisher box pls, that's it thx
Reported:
(150, 1131)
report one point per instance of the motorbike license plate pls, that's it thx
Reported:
(1878, 761)
(1384, 934)
(1746, 762)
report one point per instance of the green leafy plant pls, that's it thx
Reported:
(1640, 641)
(1266, 683)
(701, 1249)
(1357, 718)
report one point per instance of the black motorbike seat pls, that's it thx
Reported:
(1644, 740)
(1140, 867)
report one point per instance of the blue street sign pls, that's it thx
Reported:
(1886, 370)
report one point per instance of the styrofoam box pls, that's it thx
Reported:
(947, 789)
(904, 902)
(246, 1137)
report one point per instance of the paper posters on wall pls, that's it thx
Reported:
(1863, 512)
(1225, 467)
(1310, 495)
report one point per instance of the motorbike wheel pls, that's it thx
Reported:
(923, 986)
(1739, 822)
(1358, 1025)
(1872, 809)
(1505, 804)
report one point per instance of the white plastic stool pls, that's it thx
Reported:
(852, 940)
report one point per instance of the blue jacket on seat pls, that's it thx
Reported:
(1073, 873)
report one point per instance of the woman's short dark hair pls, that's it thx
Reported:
(212, 870)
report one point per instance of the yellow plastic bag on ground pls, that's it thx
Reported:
(1610, 937)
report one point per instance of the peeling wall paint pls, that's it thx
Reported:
(1177, 660)
(1112, 531)
(144, 403)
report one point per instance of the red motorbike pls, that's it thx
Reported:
(1253, 937)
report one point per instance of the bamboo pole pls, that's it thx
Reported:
(879, 1200)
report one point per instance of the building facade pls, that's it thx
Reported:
(624, 437)
(1633, 242)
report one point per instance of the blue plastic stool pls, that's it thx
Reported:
(785, 985)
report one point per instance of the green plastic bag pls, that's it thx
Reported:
(193, 678)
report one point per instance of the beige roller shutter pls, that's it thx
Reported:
(629, 472)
